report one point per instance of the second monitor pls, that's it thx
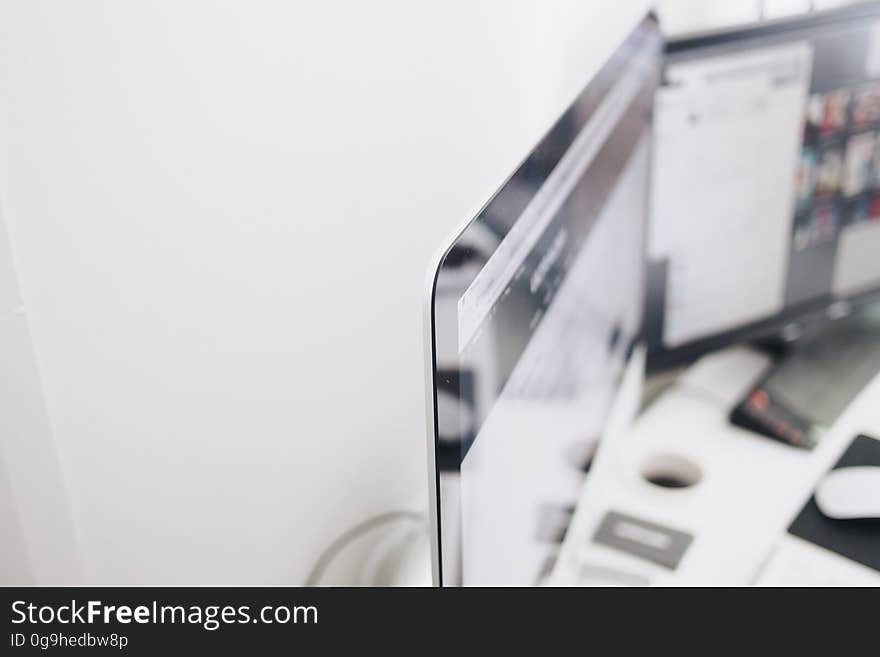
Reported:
(766, 183)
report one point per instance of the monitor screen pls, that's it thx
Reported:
(535, 310)
(766, 181)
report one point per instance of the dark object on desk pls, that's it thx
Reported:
(643, 539)
(858, 540)
(764, 414)
(812, 383)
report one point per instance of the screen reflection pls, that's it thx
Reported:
(537, 306)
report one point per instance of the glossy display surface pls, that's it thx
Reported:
(535, 311)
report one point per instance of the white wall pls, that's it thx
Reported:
(684, 16)
(221, 214)
(37, 536)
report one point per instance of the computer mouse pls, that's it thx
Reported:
(849, 493)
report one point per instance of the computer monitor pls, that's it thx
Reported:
(766, 182)
(534, 312)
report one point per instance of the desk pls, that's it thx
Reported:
(750, 491)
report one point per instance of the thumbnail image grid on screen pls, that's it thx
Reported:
(837, 182)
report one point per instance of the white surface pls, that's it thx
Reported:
(37, 539)
(856, 266)
(685, 16)
(727, 133)
(221, 214)
(784, 8)
(722, 376)
(751, 489)
(681, 16)
(848, 493)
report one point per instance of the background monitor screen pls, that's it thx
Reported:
(535, 311)
(766, 180)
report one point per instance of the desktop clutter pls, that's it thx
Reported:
(654, 356)
(690, 498)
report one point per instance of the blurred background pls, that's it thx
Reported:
(683, 16)
(216, 223)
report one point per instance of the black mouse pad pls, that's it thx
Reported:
(858, 540)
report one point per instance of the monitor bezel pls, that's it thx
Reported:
(648, 23)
